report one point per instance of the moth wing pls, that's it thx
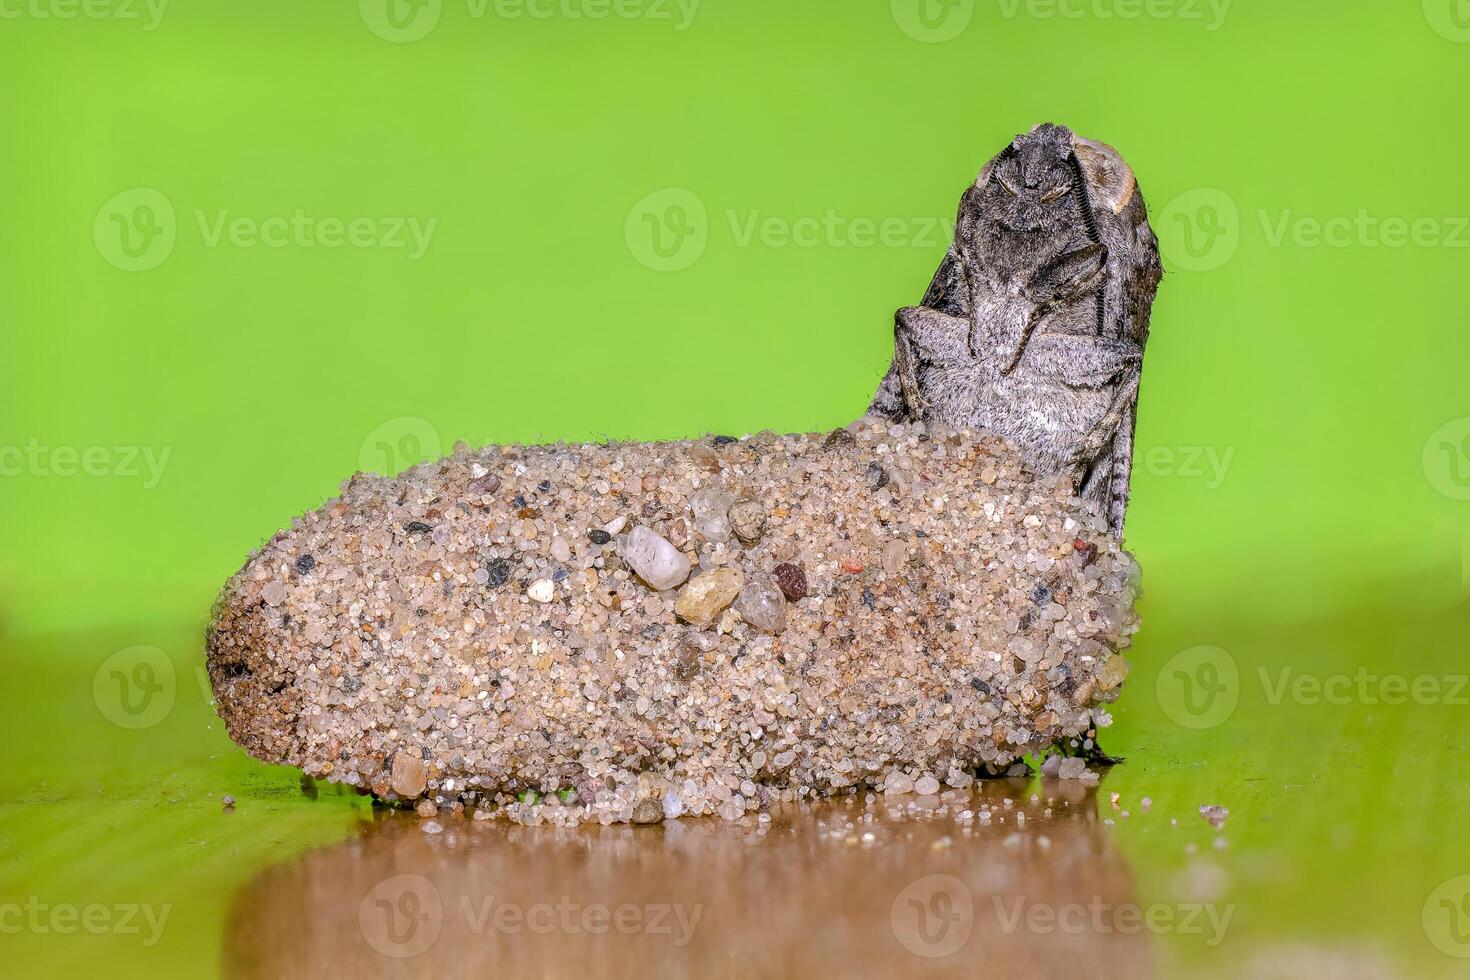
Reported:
(1135, 271)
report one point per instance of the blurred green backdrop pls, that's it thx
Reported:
(251, 248)
(266, 341)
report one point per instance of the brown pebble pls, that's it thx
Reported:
(838, 439)
(482, 485)
(648, 811)
(409, 775)
(792, 578)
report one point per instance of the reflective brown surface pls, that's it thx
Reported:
(888, 887)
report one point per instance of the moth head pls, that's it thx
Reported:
(1036, 168)
(1041, 167)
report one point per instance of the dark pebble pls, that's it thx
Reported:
(725, 440)
(652, 631)
(560, 575)
(979, 685)
(839, 438)
(544, 486)
(519, 500)
(877, 477)
(1041, 595)
(305, 564)
(598, 536)
(791, 578)
(417, 527)
(482, 485)
(868, 598)
(499, 570)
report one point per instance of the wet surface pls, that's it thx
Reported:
(1340, 859)
(883, 887)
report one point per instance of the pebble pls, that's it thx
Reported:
(898, 783)
(895, 556)
(484, 485)
(748, 520)
(926, 786)
(409, 775)
(542, 590)
(762, 604)
(1114, 671)
(1071, 767)
(673, 805)
(839, 439)
(648, 810)
(657, 561)
(792, 578)
(703, 599)
(711, 507)
(497, 572)
(598, 536)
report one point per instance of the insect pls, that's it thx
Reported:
(1034, 325)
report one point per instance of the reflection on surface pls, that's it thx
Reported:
(903, 887)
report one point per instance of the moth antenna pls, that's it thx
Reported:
(1084, 203)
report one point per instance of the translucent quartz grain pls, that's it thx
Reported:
(503, 627)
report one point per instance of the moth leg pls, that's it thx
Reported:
(1070, 275)
(888, 400)
(1081, 361)
(925, 336)
(1119, 411)
(938, 337)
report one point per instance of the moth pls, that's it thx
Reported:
(1034, 325)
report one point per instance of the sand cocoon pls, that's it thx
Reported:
(634, 631)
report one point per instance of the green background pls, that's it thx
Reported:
(1325, 379)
